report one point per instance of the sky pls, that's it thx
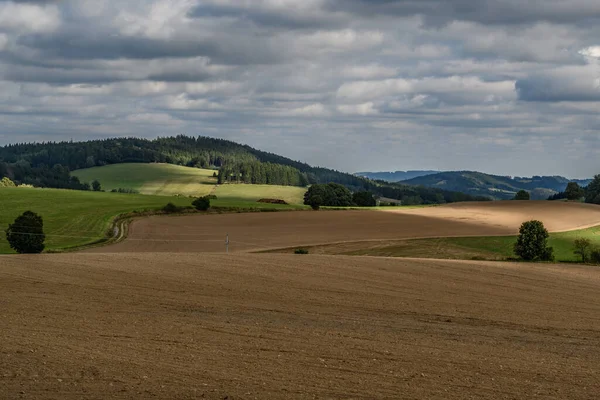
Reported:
(510, 87)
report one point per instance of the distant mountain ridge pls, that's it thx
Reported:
(396, 176)
(495, 186)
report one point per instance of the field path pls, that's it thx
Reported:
(264, 231)
(264, 326)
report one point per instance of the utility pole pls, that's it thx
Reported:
(227, 244)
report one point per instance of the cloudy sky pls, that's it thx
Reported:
(502, 86)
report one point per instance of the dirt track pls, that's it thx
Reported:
(260, 231)
(183, 326)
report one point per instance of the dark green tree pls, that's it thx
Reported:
(26, 234)
(581, 247)
(532, 242)
(202, 203)
(592, 192)
(574, 191)
(522, 195)
(96, 186)
(364, 199)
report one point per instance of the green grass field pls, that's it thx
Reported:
(170, 180)
(152, 179)
(484, 247)
(75, 218)
(252, 193)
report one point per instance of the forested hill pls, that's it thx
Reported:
(396, 176)
(49, 165)
(499, 187)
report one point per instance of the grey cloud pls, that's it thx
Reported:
(439, 12)
(491, 80)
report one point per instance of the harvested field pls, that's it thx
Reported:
(179, 326)
(557, 217)
(250, 232)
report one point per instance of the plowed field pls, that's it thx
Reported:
(184, 326)
(261, 231)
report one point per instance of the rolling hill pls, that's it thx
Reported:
(497, 187)
(396, 176)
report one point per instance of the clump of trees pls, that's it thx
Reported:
(364, 199)
(330, 194)
(572, 192)
(592, 192)
(532, 243)
(582, 248)
(522, 195)
(26, 234)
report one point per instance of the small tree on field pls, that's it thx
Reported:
(532, 242)
(170, 208)
(202, 203)
(522, 195)
(26, 234)
(581, 248)
(96, 186)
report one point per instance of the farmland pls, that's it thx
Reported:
(75, 218)
(170, 180)
(248, 326)
(151, 317)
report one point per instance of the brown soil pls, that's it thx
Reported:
(263, 231)
(556, 216)
(250, 326)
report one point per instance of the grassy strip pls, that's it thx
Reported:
(484, 247)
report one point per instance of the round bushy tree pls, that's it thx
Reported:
(26, 234)
(532, 242)
(202, 203)
(364, 199)
(522, 195)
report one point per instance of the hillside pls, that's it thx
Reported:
(153, 179)
(49, 165)
(497, 187)
(171, 180)
(396, 176)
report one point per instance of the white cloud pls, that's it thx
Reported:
(28, 17)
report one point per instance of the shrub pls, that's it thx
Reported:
(96, 186)
(170, 208)
(301, 251)
(201, 203)
(532, 242)
(26, 234)
(6, 182)
(595, 256)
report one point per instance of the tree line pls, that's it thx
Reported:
(261, 173)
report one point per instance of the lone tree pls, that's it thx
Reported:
(96, 185)
(581, 248)
(574, 191)
(26, 234)
(532, 242)
(522, 195)
(202, 203)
